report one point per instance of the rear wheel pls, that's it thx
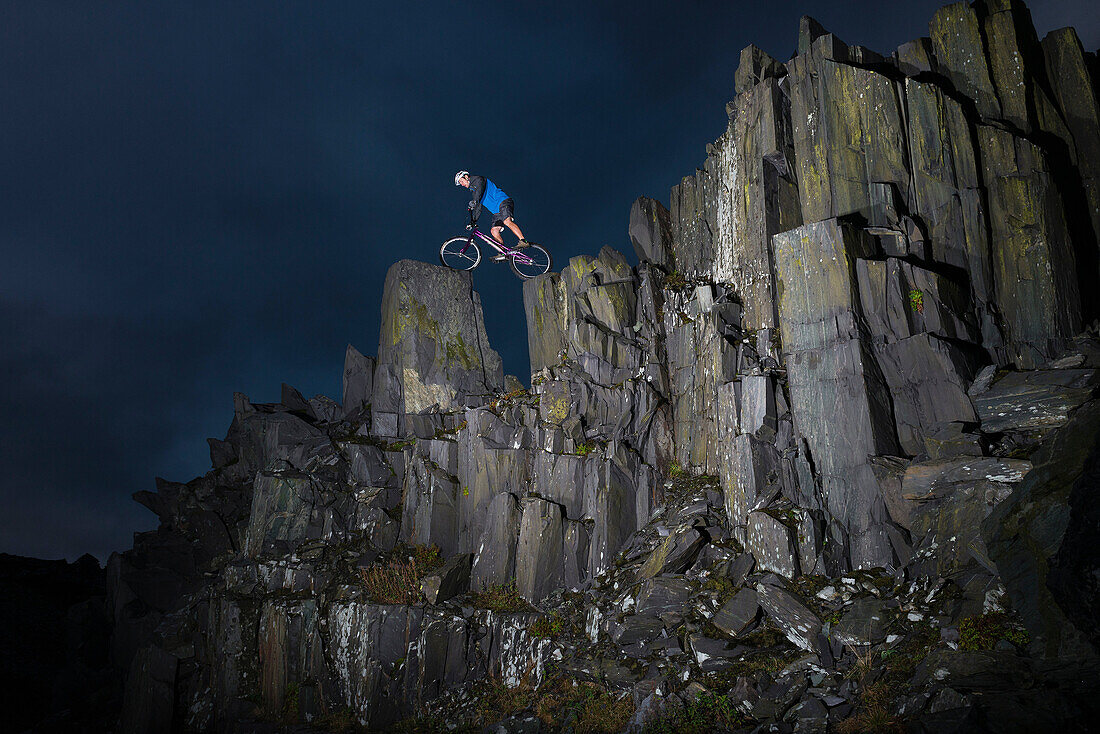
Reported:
(531, 261)
(460, 253)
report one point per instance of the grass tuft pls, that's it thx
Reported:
(500, 598)
(551, 626)
(706, 713)
(397, 579)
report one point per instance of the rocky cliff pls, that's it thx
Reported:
(827, 457)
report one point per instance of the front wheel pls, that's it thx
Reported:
(531, 261)
(460, 253)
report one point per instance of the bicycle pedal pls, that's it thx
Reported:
(499, 258)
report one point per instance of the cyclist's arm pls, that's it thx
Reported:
(477, 193)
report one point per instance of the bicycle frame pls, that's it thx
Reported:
(502, 249)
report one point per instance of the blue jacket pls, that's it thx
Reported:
(485, 193)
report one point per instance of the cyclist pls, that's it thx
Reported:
(486, 194)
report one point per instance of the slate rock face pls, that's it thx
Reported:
(1039, 399)
(841, 404)
(539, 553)
(358, 380)
(1042, 539)
(651, 232)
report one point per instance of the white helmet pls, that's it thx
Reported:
(459, 175)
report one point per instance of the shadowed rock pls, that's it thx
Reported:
(651, 232)
(1042, 539)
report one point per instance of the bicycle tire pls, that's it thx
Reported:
(540, 262)
(451, 253)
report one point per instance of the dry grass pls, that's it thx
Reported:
(874, 713)
(500, 598)
(397, 580)
(585, 708)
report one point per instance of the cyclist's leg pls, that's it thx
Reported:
(498, 220)
(507, 216)
(511, 224)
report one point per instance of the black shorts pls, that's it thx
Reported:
(506, 207)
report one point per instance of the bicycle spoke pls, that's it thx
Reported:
(531, 262)
(460, 253)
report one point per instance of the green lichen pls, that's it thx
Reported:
(459, 353)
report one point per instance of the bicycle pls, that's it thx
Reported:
(463, 253)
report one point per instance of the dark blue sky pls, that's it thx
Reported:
(203, 197)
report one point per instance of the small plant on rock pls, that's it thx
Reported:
(501, 598)
(874, 713)
(916, 300)
(723, 585)
(401, 445)
(551, 626)
(341, 720)
(984, 631)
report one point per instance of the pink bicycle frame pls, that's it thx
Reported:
(502, 249)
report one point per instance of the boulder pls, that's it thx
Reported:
(449, 580)
(433, 340)
(915, 57)
(675, 554)
(758, 411)
(755, 66)
(664, 596)
(772, 543)
(864, 623)
(832, 105)
(294, 401)
(927, 377)
(495, 560)
(738, 614)
(799, 624)
(636, 628)
(1034, 265)
(960, 54)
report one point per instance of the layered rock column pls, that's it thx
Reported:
(839, 399)
(432, 349)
